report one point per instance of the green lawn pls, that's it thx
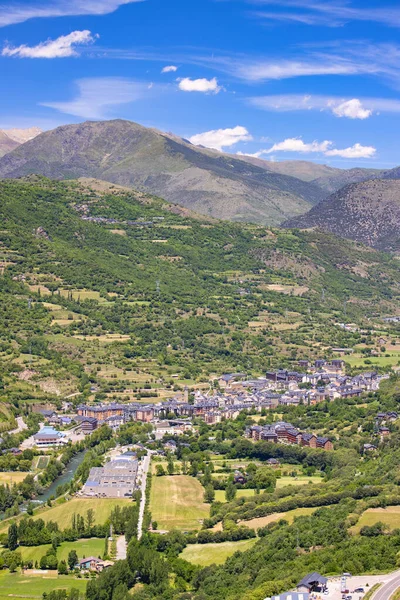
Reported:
(176, 502)
(83, 548)
(207, 554)
(19, 585)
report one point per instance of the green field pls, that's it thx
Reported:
(62, 513)
(84, 548)
(208, 554)
(16, 585)
(10, 477)
(176, 502)
(390, 516)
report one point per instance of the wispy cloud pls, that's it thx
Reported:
(331, 14)
(62, 47)
(353, 108)
(207, 86)
(221, 138)
(98, 96)
(18, 12)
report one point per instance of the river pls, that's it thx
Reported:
(65, 477)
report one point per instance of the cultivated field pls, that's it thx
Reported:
(176, 502)
(208, 554)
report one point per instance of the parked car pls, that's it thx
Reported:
(359, 590)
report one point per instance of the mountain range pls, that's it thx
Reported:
(361, 204)
(238, 188)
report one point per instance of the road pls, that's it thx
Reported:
(388, 588)
(121, 548)
(21, 425)
(145, 468)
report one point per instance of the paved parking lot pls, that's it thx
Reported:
(359, 581)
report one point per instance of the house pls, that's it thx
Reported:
(384, 431)
(49, 437)
(239, 477)
(292, 596)
(324, 443)
(369, 448)
(170, 446)
(87, 424)
(89, 564)
(313, 582)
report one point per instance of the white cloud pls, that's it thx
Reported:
(352, 109)
(199, 85)
(169, 69)
(62, 47)
(356, 151)
(221, 138)
(297, 145)
(19, 12)
(97, 96)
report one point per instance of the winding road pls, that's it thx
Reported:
(388, 588)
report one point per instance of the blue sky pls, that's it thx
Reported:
(285, 79)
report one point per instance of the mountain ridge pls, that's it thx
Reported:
(215, 184)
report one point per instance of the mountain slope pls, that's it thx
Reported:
(367, 212)
(129, 154)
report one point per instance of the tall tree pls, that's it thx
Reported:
(13, 536)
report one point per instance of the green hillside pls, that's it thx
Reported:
(154, 299)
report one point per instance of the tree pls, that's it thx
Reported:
(90, 518)
(160, 471)
(72, 559)
(13, 536)
(230, 492)
(209, 494)
(170, 465)
(62, 568)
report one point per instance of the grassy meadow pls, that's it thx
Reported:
(208, 554)
(176, 502)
